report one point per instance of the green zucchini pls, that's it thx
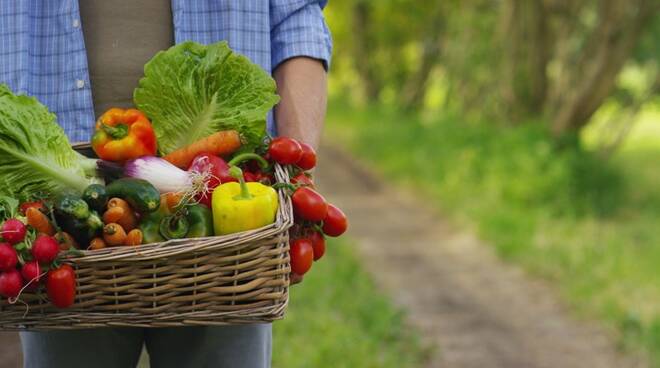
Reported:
(96, 197)
(139, 193)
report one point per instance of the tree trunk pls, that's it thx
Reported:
(612, 42)
(526, 56)
(364, 50)
(416, 86)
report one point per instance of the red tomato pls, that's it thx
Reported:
(308, 204)
(335, 223)
(8, 257)
(318, 243)
(302, 179)
(285, 151)
(302, 256)
(308, 159)
(11, 283)
(61, 286)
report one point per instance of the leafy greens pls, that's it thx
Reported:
(35, 154)
(191, 91)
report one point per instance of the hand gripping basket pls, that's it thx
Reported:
(232, 279)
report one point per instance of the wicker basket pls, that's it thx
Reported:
(233, 279)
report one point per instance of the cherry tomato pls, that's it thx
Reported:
(335, 222)
(308, 159)
(302, 256)
(318, 243)
(61, 286)
(308, 204)
(302, 179)
(285, 151)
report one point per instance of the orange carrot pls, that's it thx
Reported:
(39, 221)
(171, 199)
(220, 143)
(114, 234)
(127, 220)
(134, 237)
(97, 243)
(65, 240)
(113, 214)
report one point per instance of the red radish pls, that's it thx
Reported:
(45, 249)
(10, 283)
(219, 170)
(31, 273)
(13, 231)
(8, 257)
(318, 243)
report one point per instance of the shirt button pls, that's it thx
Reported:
(80, 83)
(76, 23)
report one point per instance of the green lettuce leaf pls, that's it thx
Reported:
(35, 154)
(191, 91)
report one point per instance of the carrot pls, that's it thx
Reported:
(97, 243)
(220, 143)
(127, 220)
(113, 214)
(171, 199)
(134, 237)
(114, 234)
(39, 221)
(65, 240)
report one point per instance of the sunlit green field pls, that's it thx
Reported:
(588, 224)
(337, 319)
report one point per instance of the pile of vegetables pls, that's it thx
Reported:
(191, 160)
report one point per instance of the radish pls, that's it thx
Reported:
(45, 249)
(8, 257)
(13, 231)
(10, 283)
(31, 273)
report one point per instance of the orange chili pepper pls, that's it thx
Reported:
(123, 135)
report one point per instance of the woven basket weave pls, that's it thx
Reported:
(233, 279)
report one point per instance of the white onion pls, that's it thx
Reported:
(163, 175)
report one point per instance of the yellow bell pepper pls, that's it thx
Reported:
(242, 206)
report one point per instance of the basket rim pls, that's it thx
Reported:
(283, 221)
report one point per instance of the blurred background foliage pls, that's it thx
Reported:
(510, 61)
(534, 122)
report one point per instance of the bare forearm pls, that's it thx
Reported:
(303, 88)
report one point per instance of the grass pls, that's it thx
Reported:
(337, 319)
(587, 224)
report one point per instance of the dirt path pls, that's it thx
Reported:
(477, 310)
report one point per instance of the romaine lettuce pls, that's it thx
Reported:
(35, 154)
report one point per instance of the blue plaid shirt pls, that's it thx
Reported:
(42, 50)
